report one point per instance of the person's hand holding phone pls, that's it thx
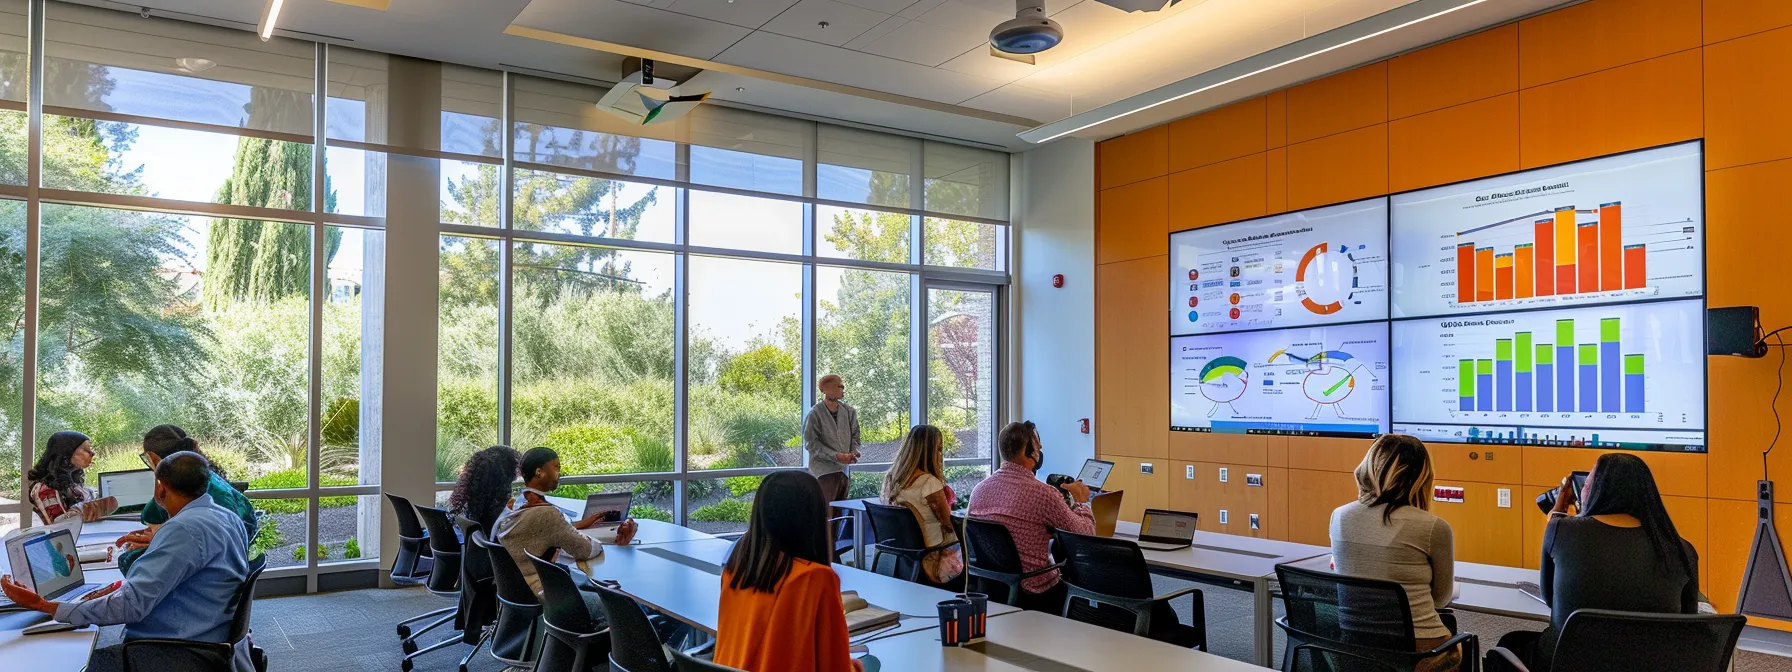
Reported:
(1566, 496)
(625, 532)
(1078, 490)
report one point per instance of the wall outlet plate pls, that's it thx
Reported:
(1190, 474)
(1253, 480)
(1146, 468)
(1222, 516)
(1224, 472)
(1505, 495)
(1256, 523)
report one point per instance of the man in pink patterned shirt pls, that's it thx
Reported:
(1015, 497)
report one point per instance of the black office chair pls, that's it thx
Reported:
(634, 644)
(899, 535)
(995, 561)
(516, 638)
(444, 580)
(410, 566)
(1343, 623)
(1597, 639)
(843, 534)
(575, 641)
(1112, 574)
(180, 654)
(684, 662)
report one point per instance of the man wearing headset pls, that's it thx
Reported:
(1030, 509)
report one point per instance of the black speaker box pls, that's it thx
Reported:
(1734, 331)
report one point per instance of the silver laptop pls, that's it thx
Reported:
(613, 507)
(55, 567)
(1163, 530)
(1095, 473)
(133, 488)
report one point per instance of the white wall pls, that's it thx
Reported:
(1054, 329)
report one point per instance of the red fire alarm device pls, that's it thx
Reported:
(1084, 424)
(1058, 281)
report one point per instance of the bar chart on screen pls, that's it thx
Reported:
(1635, 371)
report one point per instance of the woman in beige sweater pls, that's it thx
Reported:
(533, 525)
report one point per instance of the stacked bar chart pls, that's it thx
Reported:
(1582, 252)
(1522, 376)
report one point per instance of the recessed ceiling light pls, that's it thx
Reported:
(195, 64)
(740, 89)
(823, 24)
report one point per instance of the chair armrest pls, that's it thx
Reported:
(1051, 567)
(701, 649)
(1501, 660)
(1471, 647)
(1166, 597)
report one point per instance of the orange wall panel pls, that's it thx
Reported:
(1311, 497)
(1654, 102)
(1748, 100)
(1602, 34)
(1275, 115)
(1736, 200)
(1246, 449)
(1134, 221)
(1132, 158)
(1131, 383)
(1729, 19)
(1217, 135)
(1462, 70)
(1454, 144)
(1484, 532)
(1275, 189)
(1692, 520)
(1317, 454)
(1222, 192)
(1476, 462)
(1338, 168)
(1143, 491)
(1348, 100)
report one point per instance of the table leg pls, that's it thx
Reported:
(1262, 619)
(858, 539)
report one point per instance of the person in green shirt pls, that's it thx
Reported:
(160, 442)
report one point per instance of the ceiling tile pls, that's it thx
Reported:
(920, 7)
(960, 15)
(1023, 102)
(925, 43)
(1087, 25)
(877, 31)
(748, 13)
(884, 6)
(801, 58)
(844, 21)
(633, 25)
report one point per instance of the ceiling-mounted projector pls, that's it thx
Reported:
(644, 99)
(1028, 33)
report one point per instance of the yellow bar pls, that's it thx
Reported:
(1565, 240)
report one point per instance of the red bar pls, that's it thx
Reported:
(1546, 257)
(1634, 260)
(1522, 268)
(1484, 274)
(1589, 257)
(1611, 246)
(1465, 273)
(1502, 276)
(1565, 279)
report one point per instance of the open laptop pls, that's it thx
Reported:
(54, 563)
(1095, 473)
(613, 507)
(1163, 530)
(133, 488)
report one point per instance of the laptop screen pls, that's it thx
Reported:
(132, 488)
(1095, 473)
(1167, 525)
(613, 506)
(55, 564)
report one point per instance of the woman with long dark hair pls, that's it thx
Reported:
(484, 486)
(781, 605)
(1621, 552)
(158, 443)
(58, 481)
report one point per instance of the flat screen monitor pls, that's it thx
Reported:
(133, 488)
(1306, 381)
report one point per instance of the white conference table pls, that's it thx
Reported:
(650, 531)
(1480, 588)
(60, 651)
(1030, 640)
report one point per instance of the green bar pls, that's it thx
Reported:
(1633, 364)
(1589, 355)
(1564, 332)
(1502, 349)
(1524, 351)
(1608, 330)
(1465, 380)
(1546, 354)
(1484, 367)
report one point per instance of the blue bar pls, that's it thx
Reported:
(1503, 375)
(1589, 387)
(1633, 393)
(1545, 397)
(1524, 392)
(1565, 382)
(1608, 377)
(1484, 392)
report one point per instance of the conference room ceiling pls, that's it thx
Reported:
(915, 65)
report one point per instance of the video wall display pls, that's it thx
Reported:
(1559, 306)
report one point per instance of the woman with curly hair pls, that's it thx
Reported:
(58, 481)
(483, 489)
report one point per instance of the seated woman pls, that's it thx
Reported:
(483, 490)
(58, 490)
(534, 525)
(917, 480)
(781, 607)
(1390, 534)
(159, 443)
(1622, 552)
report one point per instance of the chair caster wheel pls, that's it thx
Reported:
(463, 667)
(404, 632)
(409, 647)
(406, 665)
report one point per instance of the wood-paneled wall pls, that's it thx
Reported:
(1592, 79)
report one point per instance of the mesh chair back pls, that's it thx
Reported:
(896, 527)
(689, 663)
(444, 576)
(408, 525)
(634, 644)
(478, 595)
(992, 547)
(573, 642)
(244, 599)
(1109, 566)
(506, 576)
(516, 637)
(1597, 639)
(1326, 607)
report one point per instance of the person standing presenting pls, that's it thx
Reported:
(831, 436)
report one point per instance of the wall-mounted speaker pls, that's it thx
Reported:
(1734, 331)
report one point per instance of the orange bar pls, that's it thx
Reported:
(1565, 250)
(1634, 277)
(1589, 257)
(1502, 276)
(1483, 274)
(1465, 273)
(1523, 269)
(1546, 257)
(1611, 246)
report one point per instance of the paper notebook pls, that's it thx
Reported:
(862, 616)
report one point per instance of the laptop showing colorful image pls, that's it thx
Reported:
(55, 566)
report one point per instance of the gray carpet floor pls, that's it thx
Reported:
(353, 630)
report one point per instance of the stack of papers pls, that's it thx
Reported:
(862, 616)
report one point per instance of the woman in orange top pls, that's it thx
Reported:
(781, 608)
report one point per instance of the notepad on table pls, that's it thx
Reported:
(862, 616)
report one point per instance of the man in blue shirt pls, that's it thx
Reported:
(182, 586)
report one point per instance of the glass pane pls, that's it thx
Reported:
(470, 193)
(588, 206)
(958, 244)
(194, 322)
(961, 369)
(593, 364)
(966, 181)
(114, 62)
(351, 373)
(865, 166)
(558, 123)
(14, 68)
(348, 528)
(12, 292)
(866, 235)
(964, 478)
(466, 352)
(863, 335)
(117, 158)
(744, 363)
(748, 150)
(358, 106)
(472, 111)
(746, 223)
(283, 532)
(720, 505)
(651, 500)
